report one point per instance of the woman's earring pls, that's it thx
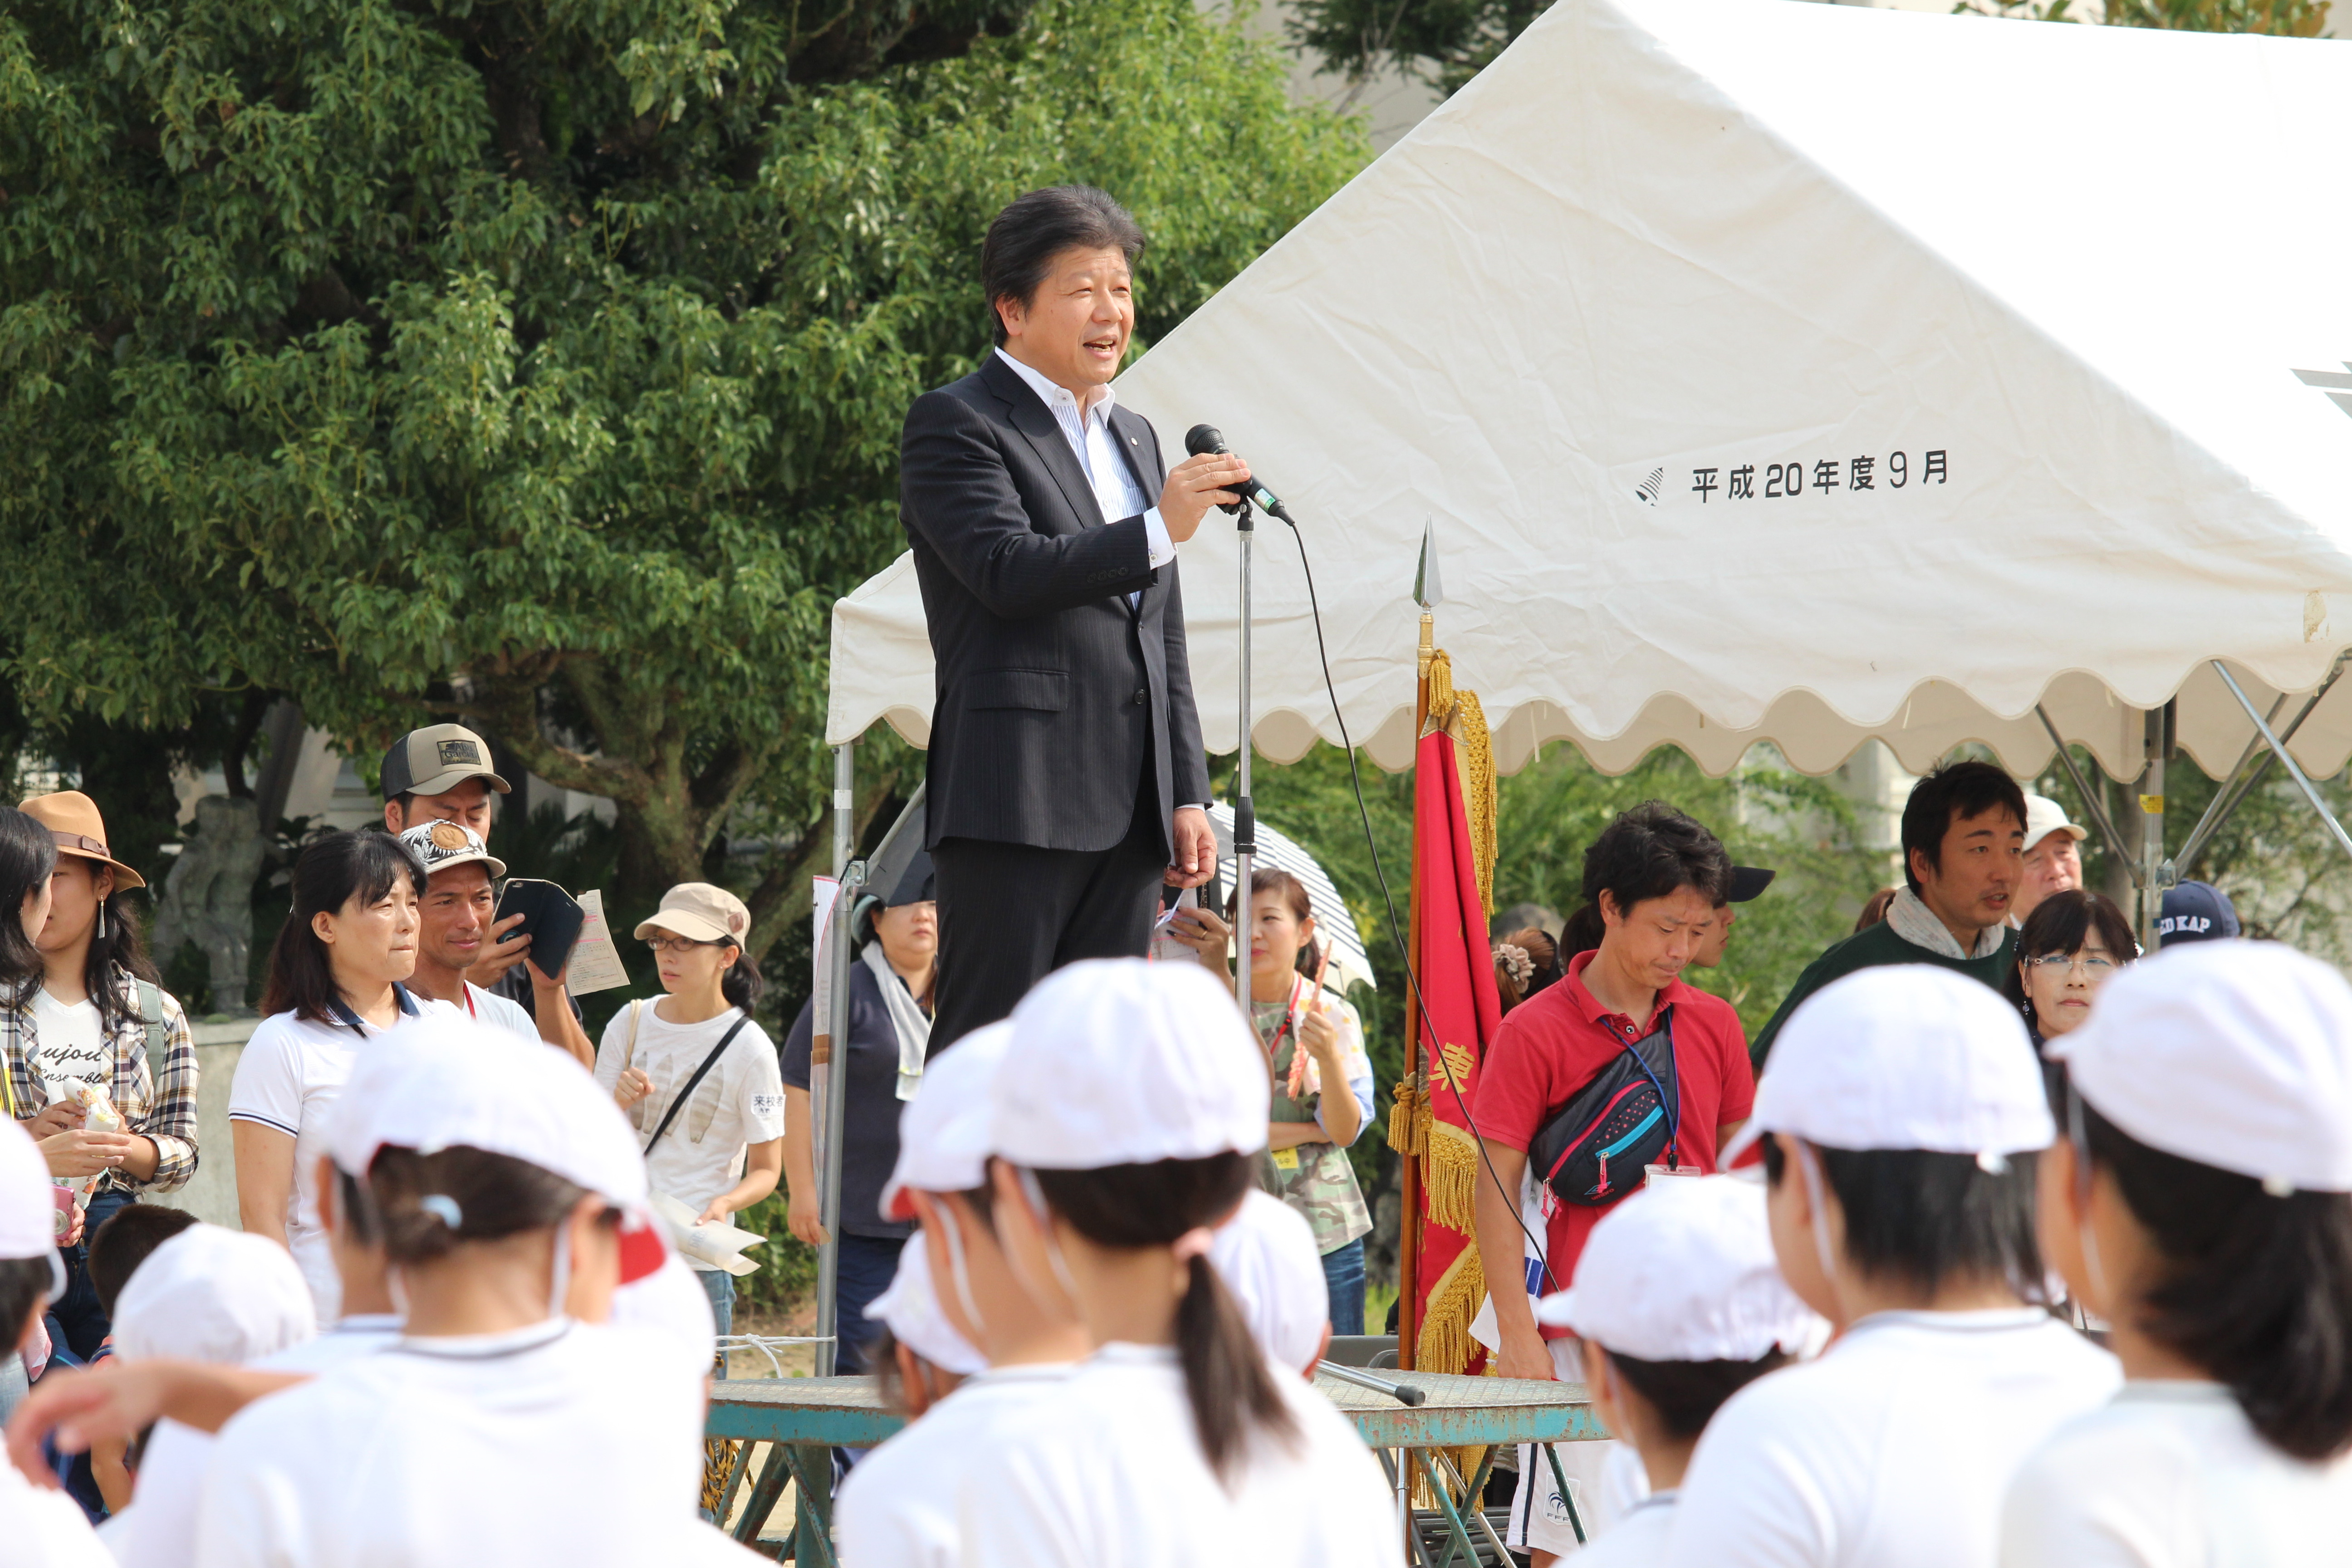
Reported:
(100, 934)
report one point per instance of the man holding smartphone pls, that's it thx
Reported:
(454, 924)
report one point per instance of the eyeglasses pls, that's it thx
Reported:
(678, 944)
(2052, 963)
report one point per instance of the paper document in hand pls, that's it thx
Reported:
(717, 1243)
(595, 961)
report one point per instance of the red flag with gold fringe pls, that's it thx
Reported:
(1456, 968)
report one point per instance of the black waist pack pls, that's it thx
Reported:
(1596, 1149)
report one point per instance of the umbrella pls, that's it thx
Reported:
(1333, 923)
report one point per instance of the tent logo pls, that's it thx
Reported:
(2339, 385)
(1647, 490)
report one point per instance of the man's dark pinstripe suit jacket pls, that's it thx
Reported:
(1053, 695)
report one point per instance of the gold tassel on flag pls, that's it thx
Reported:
(1451, 1176)
(1444, 1343)
(1409, 1121)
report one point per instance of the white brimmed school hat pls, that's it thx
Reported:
(216, 1295)
(943, 1131)
(2234, 1054)
(2045, 817)
(1683, 1270)
(436, 760)
(699, 911)
(911, 1310)
(1266, 1254)
(440, 846)
(1906, 1055)
(440, 1082)
(1117, 1061)
(27, 1211)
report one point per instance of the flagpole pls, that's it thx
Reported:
(1410, 1222)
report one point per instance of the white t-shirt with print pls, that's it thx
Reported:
(287, 1078)
(2172, 1475)
(1895, 1446)
(69, 1045)
(739, 1102)
(502, 1013)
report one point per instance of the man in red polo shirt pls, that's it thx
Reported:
(1657, 878)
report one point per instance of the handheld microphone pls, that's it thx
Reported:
(1203, 438)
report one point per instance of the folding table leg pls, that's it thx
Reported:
(764, 1493)
(812, 1469)
(1461, 1532)
(1566, 1500)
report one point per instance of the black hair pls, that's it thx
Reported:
(1923, 1217)
(496, 1197)
(1023, 239)
(1952, 791)
(119, 1247)
(331, 872)
(1652, 852)
(24, 1286)
(118, 957)
(1293, 892)
(1688, 1394)
(1581, 932)
(2257, 1289)
(29, 856)
(355, 1215)
(2063, 924)
(1226, 1378)
(740, 981)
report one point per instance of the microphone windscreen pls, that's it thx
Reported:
(1203, 438)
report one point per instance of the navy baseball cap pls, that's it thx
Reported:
(1747, 883)
(2195, 911)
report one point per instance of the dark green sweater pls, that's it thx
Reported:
(1865, 948)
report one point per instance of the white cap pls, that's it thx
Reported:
(1683, 1270)
(1267, 1256)
(27, 1212)
(1117, 1061)
(440, 1081)
(943, 1131)
(2233, 1054)
(217, 1295)
(669, 1300)
(2045, 817)
(1906, 1055)
(910, 1307)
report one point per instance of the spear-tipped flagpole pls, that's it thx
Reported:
(1428, 593)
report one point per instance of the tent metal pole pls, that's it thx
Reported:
(830, 1106)
(2156, 732)
(1245, 808)
(2286, 760)
(2090, 801)
(2226, 802)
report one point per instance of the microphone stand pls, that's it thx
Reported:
(1244, 813)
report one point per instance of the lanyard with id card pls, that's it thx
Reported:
(1672, 1172)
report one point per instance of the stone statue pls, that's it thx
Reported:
(208, 898)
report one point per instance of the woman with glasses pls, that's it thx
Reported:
(2072, 943)
(696, 1077)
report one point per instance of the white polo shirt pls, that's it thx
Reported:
(739, 1102)
(501, 1013)
(1104, 1471)
(559, 1443)
(1895, 1446)
(897, 1509)
(1638, 1539)
(159, 1529)
(289, 1076)
(2172, 1475)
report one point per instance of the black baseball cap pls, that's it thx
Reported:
(1747, 882)
(2195, 911)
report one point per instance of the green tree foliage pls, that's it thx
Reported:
(542, 361)
(1447, 42)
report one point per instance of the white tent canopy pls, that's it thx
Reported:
(1997, 324)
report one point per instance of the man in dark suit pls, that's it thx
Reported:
(1067, 777)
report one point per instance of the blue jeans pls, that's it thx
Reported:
(719, 1286)
(76, 1320)
(1343, 1277)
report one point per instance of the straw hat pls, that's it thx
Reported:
(73, 821)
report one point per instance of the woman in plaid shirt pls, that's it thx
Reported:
(98, 1017)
